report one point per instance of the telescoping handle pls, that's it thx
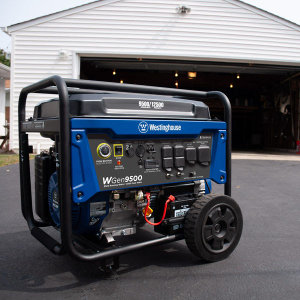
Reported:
(62, 86)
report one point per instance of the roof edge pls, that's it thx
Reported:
(4, 67)
(266, 14)
(66, 12)
(4, 71)
(18, 26)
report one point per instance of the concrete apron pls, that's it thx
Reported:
(265, 156)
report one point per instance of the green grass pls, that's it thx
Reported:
(9, 159)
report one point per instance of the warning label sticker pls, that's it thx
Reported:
(181, 212)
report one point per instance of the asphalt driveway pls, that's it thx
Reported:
(265, 265)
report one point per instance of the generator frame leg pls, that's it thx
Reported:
(63, 87)
(113, 264)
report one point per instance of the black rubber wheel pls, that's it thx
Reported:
(213, 227)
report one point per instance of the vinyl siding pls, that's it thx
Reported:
(214, 30)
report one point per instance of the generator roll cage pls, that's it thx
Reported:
(64, 87)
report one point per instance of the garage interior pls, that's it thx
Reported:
(264, 98)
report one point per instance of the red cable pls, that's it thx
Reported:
(170, 199)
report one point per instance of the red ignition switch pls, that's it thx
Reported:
(119, 162)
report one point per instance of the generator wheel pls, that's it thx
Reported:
(213, 227)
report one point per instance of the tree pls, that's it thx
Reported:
(3, 58)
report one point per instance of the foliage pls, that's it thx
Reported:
(3, 58)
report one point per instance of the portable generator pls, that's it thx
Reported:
(123, 156)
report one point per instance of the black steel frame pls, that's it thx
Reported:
(64, 87)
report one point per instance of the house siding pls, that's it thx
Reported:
(214, 30)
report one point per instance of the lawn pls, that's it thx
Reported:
(9, 159)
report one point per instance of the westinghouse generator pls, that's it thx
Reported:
(126, 155)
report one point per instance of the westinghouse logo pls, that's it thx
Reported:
(151, 104)
(144, 127)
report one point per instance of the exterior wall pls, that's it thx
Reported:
(2, 107)
(214, 30)
(7, 114)
(7, 92)
(7, 96)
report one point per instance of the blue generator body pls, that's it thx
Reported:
(125, 158)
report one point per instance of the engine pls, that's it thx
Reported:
(117, 212)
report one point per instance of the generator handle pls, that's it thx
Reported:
(25, 184)
(228, 119)
(65, 160)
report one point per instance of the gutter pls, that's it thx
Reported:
(5, 30)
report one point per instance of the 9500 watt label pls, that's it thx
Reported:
(118, 182)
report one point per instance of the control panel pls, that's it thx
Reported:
(124, 164)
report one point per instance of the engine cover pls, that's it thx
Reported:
(86, 217)
(54, 206)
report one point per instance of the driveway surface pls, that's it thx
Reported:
(265, 265)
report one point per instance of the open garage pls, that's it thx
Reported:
(264, 98)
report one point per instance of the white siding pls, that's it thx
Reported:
(2, 107)
(214, 30)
